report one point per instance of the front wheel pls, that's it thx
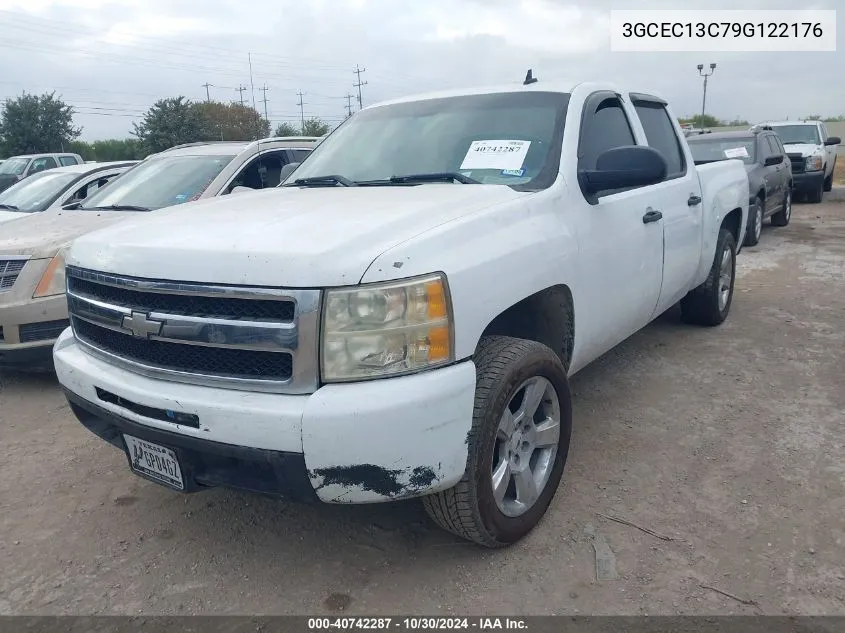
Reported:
(709, 303)
(517, 445)
(782, 217)
(816, 195)
(828, 182)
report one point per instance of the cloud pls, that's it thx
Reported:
(112, 58)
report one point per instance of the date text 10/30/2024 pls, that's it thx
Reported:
(417, 624)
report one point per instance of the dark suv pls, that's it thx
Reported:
(768, 167)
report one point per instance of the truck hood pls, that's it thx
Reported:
(43, 234)
(284, 237)
(805, 149)
(5, 216)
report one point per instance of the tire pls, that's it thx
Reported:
(782, 217)
(707, 304)
(828, 182)
(470, 509)
(816, 196)
(755, 223)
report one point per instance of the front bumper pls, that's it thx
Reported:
(808, 181)
(29, 327)
(361, 442)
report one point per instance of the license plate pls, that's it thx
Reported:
(154, 461)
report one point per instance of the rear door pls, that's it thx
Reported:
(678, 198)
(771, 178)
(780, 179)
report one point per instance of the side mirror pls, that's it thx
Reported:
(773, 160)
(287, 170)
(241, 189)
(622, 167)
(833, 140)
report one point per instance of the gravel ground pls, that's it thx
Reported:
(727, 443)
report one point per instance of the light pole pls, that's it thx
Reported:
(704, 98)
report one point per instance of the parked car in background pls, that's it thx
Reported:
(202, 170)
(401, 319)
(812, 153)
(768, 168)
(33, 309)
(16, 168)
(57, 187)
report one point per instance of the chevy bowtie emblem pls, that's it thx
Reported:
(141, 325)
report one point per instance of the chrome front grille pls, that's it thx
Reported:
(9, 271)
(262, 339)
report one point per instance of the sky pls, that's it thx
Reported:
(111, 59)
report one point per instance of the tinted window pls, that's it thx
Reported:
(299, 154)
(605, 128)
(660, 135)
(14, 166)
(773, 146)
(709, 150)
(160, 182)
(67, 160)
(511, 138)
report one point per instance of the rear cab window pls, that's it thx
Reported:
(67, 161)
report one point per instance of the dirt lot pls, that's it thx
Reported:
(730, 442)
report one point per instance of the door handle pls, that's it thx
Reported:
(652, 216)
(694, 200)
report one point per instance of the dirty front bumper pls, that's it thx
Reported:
(807, 182)
(29, 327)
(364, 442)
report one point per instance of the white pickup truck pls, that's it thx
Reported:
(401, 317)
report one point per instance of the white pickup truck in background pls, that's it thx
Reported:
(400, 319)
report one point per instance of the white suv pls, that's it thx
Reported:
(812, 152)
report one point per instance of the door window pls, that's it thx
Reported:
(261, 173)
(42, 164)
(774, 150)
(86, 190)
(67, 161)
(604, 128)
(660, 134)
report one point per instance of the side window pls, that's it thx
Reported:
(262, 172)
(42, 164)
(764, 149)
(604, 128)
(87, 190)
(300, 154)
(823, 131)
(66, 161)
(781, 148)
(773, 146)
(660, 134)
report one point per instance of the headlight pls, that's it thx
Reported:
(53, 280)
(813, 163)
(386, 329)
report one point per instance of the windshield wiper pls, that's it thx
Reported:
(119, 207)
(319, 181)
(9, 207)
(443, 176)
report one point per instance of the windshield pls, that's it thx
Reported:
(159, 182)
(14, 166)
(503, 139)
(722, 149)
(792, 134)
(37, 192)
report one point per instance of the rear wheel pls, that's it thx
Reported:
(755, 223)
(782, 217)
(517, 445)
(709, 303)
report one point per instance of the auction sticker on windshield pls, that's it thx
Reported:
(152, 460)
(497, 155)
(736, 152)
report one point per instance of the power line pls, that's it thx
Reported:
(358, 70)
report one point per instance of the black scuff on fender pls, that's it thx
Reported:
(377, 479)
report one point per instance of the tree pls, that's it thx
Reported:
(170, 122)
(109, 149)
(708, 121)
(32, 124)
(232, 122)
(315, 127)
(286, 129)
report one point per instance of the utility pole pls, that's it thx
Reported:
(264, 90)
(704, 97)
(349, 98)
(241, 89)
(301, 105)
(206, 85)
(358, 70)
(251, 84)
